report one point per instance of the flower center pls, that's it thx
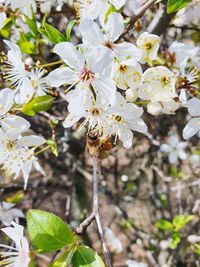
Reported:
(118, 118)
(148, 46)
(122, 67)
(95, 111)
(87, 75)
(10, 145)
(34, 83)
(109, 44)
(165, 80)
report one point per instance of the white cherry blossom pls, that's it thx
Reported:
(84, 72)
(92, 35)
(95, 116)
(93, 9)
(193, 125)
(127, 76)
(125, 119)
(12, 125)
(17, 155)
(175, 149)
(26, 82)
(159, 88)
(8, 213)
(148, 45)
(19, 255)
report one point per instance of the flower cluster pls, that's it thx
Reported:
(16, 146)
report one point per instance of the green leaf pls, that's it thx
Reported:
(176, 239)
(180, 221)
(47, 231)
(175, 5)
(164, 225)
(110, 10)
(32, 23)
(27, 47)
(86, 257)
(53, 145)
(5, 30)
(16, 198)
(38, 104)
(197, 250)
(52, 33)
(64, 259)
(69, 29)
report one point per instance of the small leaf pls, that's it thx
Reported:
(164, 225)
(52, 33)
(16, 198)
(110, 10)
(53, 146)
(69, 29)
(27, 47)
(32, 23)
(175, 5)
(176, 239)
(86, 257)
(64, 259)
(47, 231)
(181, 220)
(38, 104)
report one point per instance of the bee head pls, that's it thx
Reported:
(93, 135)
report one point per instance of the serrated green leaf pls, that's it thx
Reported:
(38, 104)
(164, 225)
(52, 33)
(86, 257)
(181, 220)
(69, 29)
(175, 5)
(47, 231)
(64, 259)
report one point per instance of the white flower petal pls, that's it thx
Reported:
(194, 106)
(191, 128)
(14, 126)
(6, 100)
(62, 76)
(91, 32)
(128, 53)
(31, 140)
(70, 55)
(165, 148)
(114, 26)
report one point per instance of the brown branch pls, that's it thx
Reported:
(95, 214)
(138, 14)
(184, 27)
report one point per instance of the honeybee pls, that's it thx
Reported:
(98, 148)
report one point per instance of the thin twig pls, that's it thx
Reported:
(138, 14)
(96, 175)
(185, 27)
(95, 214)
